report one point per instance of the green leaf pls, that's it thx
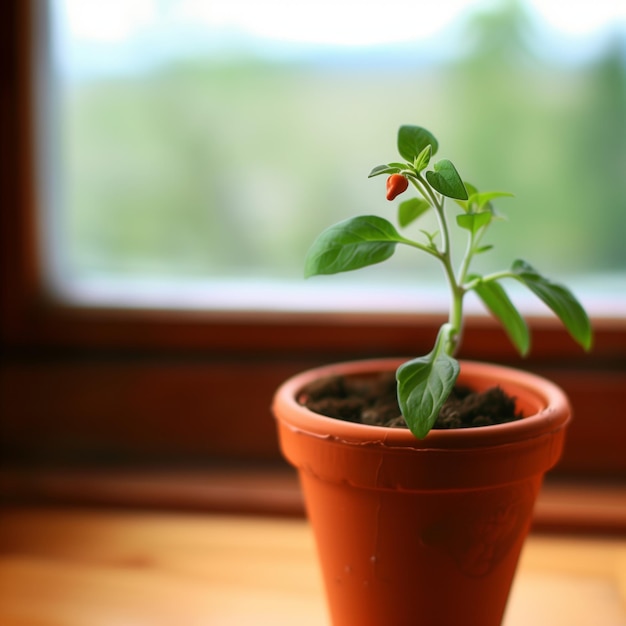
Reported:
(481, 200)
(497, 301)
(410, 210)
(464, 204)
(473, 221)
(482, 249)
(425, 383)
(446, 180)
(385, 169)
(354, 243)
(423, 158)
(471, 189)
(412, 140)
(431, 238)
(560, 299)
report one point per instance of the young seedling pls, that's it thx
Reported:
(425, 383)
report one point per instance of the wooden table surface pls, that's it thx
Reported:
(82, 567)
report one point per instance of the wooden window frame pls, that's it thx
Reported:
(109, 386)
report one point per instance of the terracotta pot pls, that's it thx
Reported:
(426, 532)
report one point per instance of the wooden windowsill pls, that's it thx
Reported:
(564, 506)
(94, 566)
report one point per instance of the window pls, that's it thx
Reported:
(106, 379)
(194, 149)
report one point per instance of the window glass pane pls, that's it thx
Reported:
(195, 148)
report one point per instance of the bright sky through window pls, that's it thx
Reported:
(333, 22)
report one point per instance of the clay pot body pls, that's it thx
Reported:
(421, 532)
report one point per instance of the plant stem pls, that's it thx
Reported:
(437, 202)
(490, 278)
(456, 290)
(420, 246)
(467, 257)
(456, 320)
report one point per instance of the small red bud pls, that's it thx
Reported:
(396, 184)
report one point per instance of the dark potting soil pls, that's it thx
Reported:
(372, 400)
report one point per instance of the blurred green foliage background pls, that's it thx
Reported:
(230, 165)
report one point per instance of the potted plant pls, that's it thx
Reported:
(419, 495)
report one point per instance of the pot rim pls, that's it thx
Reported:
(544, 405)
